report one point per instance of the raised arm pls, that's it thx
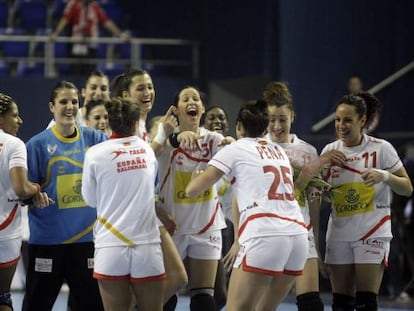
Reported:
(203, 180)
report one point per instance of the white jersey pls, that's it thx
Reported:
(360, 212)
(142, 131)
(263, 185)
(301, 153)
(12, 154)
(118, 179)
(225, 193)
(193, 215)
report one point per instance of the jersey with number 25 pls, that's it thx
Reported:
(263, 185)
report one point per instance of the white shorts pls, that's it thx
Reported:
(312, 252)
(375, 251)
(205, 246)
(274, 255)
(10, 252)
(138, 263)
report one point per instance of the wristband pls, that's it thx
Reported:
(161, 136)
(174, 140)
(28, 201)
(385, 175)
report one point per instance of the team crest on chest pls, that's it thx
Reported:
(51, 149)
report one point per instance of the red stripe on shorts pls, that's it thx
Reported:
(110, 277)
(9, 263)
(149, 278)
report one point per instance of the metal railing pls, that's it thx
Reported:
(378, 87)
(135, 61)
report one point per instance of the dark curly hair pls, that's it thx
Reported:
(5, 103)
(277, 94)
(365, 104)
(254, 118)
(122, 116)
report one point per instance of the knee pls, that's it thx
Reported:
(309, 302)
(177, 279)
(343, 302)
(366, 301)
(202, 299)
(5, 300)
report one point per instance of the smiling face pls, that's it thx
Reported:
(64, 107)
(190, 108)
(96, 88)
(348, 125)
(142, 92)
(98, 119)
(216, 120)
(10, 121)
(280, 121)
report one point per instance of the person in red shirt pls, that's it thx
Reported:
(85, 16)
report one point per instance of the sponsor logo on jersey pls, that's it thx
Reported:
(69, 191)
(51, 149)
(131, 164)
(353, 198)
(118, 152)
(181, 181)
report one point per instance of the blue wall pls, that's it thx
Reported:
(322, 42)
(313, 45)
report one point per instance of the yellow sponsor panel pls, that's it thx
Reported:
(181, 181)
(353, 198)
(69, 192)
(300, 196)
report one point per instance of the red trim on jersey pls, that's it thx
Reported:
(116, 135)
(99, 276)
(9, 218)
(211, 222)
(224, 164)
(145, 137)
(389, 168)
(259, 215)
(169, 169)
(177, 151)
(248, 268)
(351, 169)
(9, 264)
(376, 227)
(346, 168)
(153, 278)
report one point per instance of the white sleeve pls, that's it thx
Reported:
(89, 181)
(223, 160)
(18, 155)
(390, 159)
